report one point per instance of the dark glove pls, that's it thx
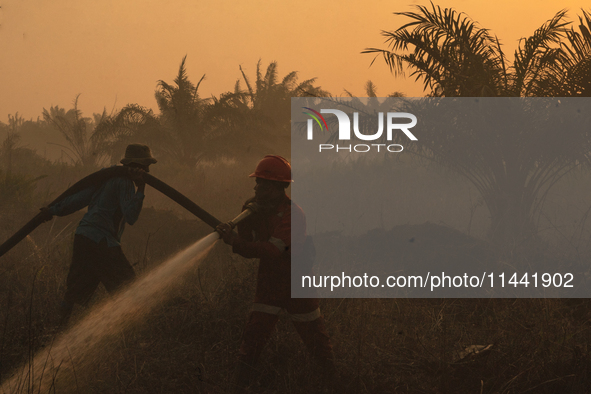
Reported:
(226, 233)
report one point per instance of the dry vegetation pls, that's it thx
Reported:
(189, 342)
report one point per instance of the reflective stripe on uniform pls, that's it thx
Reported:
(270, 309)
(278, 243)
(311, 316)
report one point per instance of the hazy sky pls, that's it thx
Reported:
(114, 52)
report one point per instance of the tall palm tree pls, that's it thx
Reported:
(255, 120)
(454, 57)
(182, 114)
(575, 64)
(177, 134)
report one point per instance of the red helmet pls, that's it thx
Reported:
(273, 168)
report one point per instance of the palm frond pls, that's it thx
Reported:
(445, 49)
(535, 53)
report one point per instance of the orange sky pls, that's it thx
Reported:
(114, 52)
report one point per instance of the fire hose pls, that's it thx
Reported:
(98, 178)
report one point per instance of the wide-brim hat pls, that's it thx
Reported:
(138, 153)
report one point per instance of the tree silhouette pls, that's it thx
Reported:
(512, 169)
(456, 58)
(574, 68)
(10, 143)
(82, 148)
(132, 124)
(182, 114)
(177, 134)
(250, 121)
(255, 120)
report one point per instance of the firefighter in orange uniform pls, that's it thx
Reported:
(267, 234)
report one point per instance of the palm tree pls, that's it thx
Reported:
(454, 57)
(182, 114)
(132, 124)
(255, 120)
(575, 64)
(177, 134)
(78, 131)
(10, 143)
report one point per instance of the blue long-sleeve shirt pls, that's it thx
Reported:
(110, 206)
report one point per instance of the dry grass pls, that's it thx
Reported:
(189, 343)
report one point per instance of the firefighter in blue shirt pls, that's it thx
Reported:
(97, 256)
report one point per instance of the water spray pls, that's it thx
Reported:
(74, 351)
(55, 367)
